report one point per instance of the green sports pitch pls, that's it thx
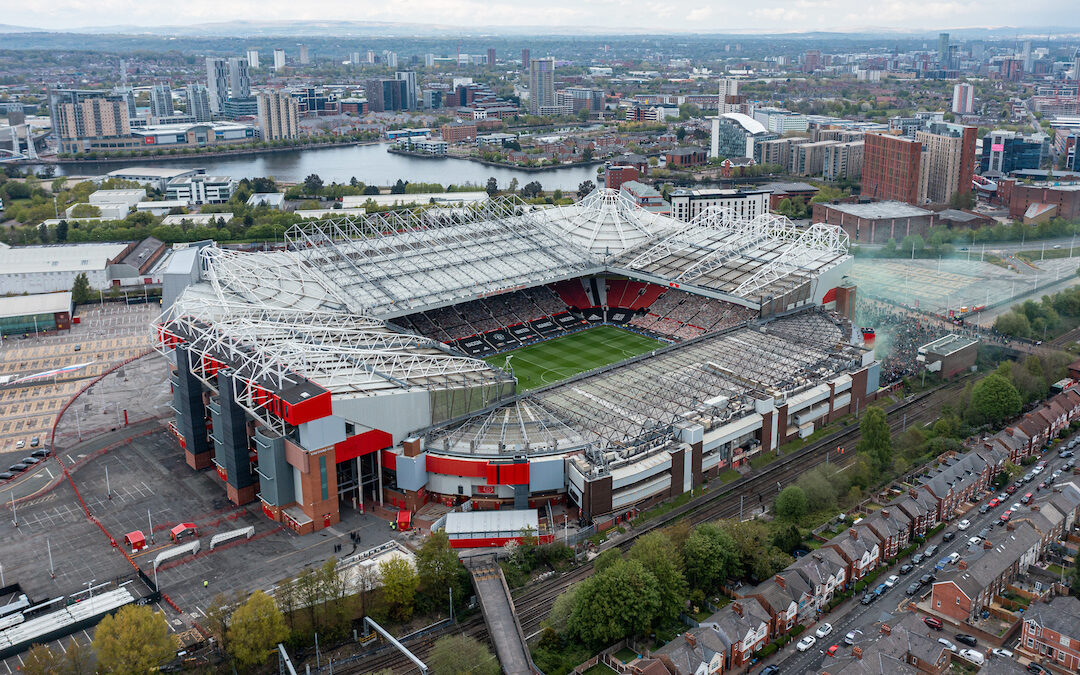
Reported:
(548, 362)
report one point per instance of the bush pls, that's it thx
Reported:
(766, 651)
(796, 630)
(935, 529)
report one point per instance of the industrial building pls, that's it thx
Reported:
(20, 314)
(313, 384)
(949, 355)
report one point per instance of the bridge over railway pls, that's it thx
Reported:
(500, 616)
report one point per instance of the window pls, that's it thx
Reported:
(322, 477)
(958, 600)
(939, 603)
(1030, 643)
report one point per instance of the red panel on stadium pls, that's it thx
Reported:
(449, 466)
(362, 444)
(830, 296)
(508, 474)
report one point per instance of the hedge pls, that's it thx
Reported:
(796, 630)
(935, 529)
(767, 650)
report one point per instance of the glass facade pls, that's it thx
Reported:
(28, 323)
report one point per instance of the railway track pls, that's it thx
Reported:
(534, 603)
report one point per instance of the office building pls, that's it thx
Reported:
(891, 168)
(84, 119)
(491, 59)
(1006, 151)
(161, 103)
(1076, 64)
(943, 51)
(241, 107)
(239, 79)
(843, 160)
(780, 121)
(253, 58)
(198, 102)
(409, 78)
(279, 116)
(390, 59)
(217, 82)
(949, 151)
(541, 84)
(686, 204)
(279, 59)
(963, 98)
(525, 59)
(200, 189)
(433, 99)
(735, 135)
(305, 57)
(386, 95)
(811, 60)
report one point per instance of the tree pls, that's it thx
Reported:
(462, 655)
(661, 558)
(257, 625)
(492, 187)
(585, 187)
(133, 640)
(41, 660)
(61, 231)
(219, 616)
(438, 567)
(313, 184)
(398, 188)
(875, 438)
(587, 154)
(710, 557)
(559, 616)
(80, 290)
(619, 602)
(606, 559)
(993, 400)
(791, 503)
(399, 587)
(78, 659)
(531, 190)
(513, 184)
(787, 538)
(85, 211)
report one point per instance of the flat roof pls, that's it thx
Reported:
(949, 344)
(152, 171)
(58, 258)
(511, 522)
(878, 210)
(41, 303)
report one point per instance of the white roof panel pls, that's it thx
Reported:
(477, 522)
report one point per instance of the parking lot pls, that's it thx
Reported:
(104, 337)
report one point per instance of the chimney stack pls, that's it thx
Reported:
(962, 565)
(691, 639)
(780, 581)
(886, 629)
(884, 513)
(857, 652)
(854, 533)
(737, 608)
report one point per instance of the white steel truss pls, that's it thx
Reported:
(816, 244)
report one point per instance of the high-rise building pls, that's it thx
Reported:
(541, 84)
(943, 50)
(239, 78)
(279, 115)
(843, 160)
(390, 58)
(79, 114)
(217, 82)
(161, 103)
(949, 156)
(811, 60)
(525, 59)
(409, 78)
(963, 98)
(279, 59)
(891, 168)
(1007, 151)
(1076, 64)
(198, 102)
(253, 58)
(386, 95)
(728, 87)
(305, 58)
(129, 99)
(1027, 56)
(491, 59)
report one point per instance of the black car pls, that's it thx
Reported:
(7, 475)
(904, 569)
(927, 578)
(917, 558)
(948, 536)
(868, 598)
(1036, 668)
(771, 669)
(984, 508)
(16, 468)
(40, 452)
(969, 640)
(913, 588)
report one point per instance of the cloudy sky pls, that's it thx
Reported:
(675, 15)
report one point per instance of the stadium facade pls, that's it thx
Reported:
(347, 367)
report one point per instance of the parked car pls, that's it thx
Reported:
(912, 589)
(905, 568)
(20, 445)
(850, 637)
(943, 563)
(1066, 453)
(933, 622)
(1026, 498)
(969, 640)
(972, 656)
(806, 643)
(1012, 489)
(7, 475)
(963, 524)
(29, 461)
(1036, 668)
(771, 669)
(16, 468)
(867, 598)
(831, 651)
(917, 558)
(1004, 518)
(984, 508)
(892, 580)
(40, 452)
(948, 536)
(974, 541)
(927, 578)
(984, 533)
(1015, 507)
(823, 630)
(948, 645)
(953, 558)
(930, 551)
(78, 348)
(881, 588)
(1003, 653)
(34, 442)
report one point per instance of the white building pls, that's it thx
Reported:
(780, 121)
(963, 98)
(217, 82)
(253, 58)
(686, 204)
(197, 218)
(156, 177)
(161, 207)
(279, 59)
(48, 269)
(201, 189)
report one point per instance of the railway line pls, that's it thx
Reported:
(534, 603)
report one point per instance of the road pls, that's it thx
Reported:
(851, 615)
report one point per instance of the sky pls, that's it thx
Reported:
(762, 16)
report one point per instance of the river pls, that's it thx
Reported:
(370, 164)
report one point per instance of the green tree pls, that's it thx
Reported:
(399, 587)
(606, 559)
(462, 655)
(584, 188)
(78, 659)
(619, 602)
(398, 188)
(587, 154)
(791, 503)
(993, 400)
(875, 438)
(787, 538)
(661, 558)
(219, 616)
(41, 660)
(85, 211)
(61, 231)
(492, 186)
(133, 640)
(257, 625)
(559, 616)
(438, 568)
(531, 190)
(710, 557)
(80, 290)
(313, 184)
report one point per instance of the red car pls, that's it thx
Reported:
(1012, 489)
(994, 502)
(1005, 516)
(831, 651)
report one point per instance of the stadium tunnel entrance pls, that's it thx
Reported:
(358, 480)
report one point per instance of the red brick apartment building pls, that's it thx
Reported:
(891, 166)
(1052, 630)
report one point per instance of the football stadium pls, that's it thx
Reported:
(596, 355)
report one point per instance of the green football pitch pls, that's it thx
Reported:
(548, 362)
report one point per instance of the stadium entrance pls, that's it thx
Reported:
(358, 480)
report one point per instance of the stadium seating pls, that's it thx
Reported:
(573, 293)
